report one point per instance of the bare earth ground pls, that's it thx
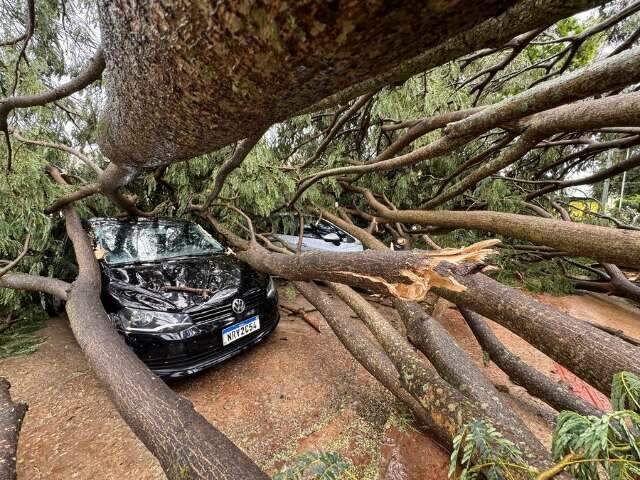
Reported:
(298, 391)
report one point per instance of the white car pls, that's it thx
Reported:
(320, 234)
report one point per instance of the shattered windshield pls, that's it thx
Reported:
(119, 243)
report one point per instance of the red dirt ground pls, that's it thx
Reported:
(298, 391)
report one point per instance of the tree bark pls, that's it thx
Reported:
(452, 363)
(366, 351)
(591, 354)
(263, 62)
(535, 382)
(448, 408)
(621, 247)
(11, 416)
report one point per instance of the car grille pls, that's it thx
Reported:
(252, 299)
(191, 360)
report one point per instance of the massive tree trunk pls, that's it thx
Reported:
(186, 79)
(590, 353)
(11, 416)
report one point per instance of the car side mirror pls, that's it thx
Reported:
(331, 237)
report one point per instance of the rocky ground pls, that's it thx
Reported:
(299, 391)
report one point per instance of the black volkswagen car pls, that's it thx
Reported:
(181, 302)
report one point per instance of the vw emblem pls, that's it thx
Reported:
(238, 305)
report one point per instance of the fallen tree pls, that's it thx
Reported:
(182, 81)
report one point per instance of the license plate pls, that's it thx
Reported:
(239, 330)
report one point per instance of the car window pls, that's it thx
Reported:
(313, 228)
(132, 242)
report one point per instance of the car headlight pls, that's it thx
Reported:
(149, 321)
(271, 288)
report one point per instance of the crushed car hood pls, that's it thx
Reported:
(156, 285)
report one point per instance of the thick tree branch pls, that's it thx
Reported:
(81, 192)
(11, 416)
(35, 283)
(452, 363)
(621, 284)
(403, 274)
(591, 354)
(621, 247)
(535, 382)
(17, 260)
(306, 76)
(240, 153)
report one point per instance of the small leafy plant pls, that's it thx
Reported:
(317, 466)
(589, 448)
(480, 451)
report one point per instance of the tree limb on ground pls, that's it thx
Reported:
(11, 416)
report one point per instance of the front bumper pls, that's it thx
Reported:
(175, 355)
